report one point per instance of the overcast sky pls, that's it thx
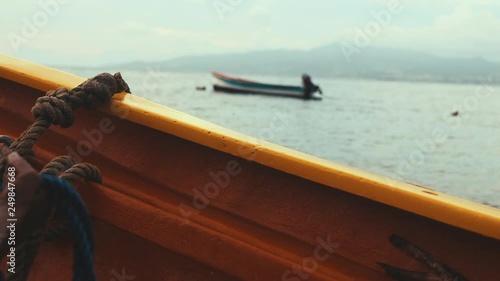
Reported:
(94, 32)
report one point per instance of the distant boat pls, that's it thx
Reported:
(228, 84)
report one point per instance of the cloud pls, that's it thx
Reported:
(198, 2)
(461, 29)
(261, 7)
(467, 31)
(161, 30)
(156, 30)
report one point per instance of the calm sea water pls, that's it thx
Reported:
(402, 130)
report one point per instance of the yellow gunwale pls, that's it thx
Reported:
(454, 211)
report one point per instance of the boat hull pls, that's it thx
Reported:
(182, 208)
(228, 84)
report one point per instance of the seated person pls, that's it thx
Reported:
(309, 87)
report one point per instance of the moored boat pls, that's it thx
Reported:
(184, 199)
(228, 84)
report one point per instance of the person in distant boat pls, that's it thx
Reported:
(309, 87)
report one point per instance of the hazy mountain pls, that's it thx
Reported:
(369, 63)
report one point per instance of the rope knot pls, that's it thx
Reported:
(54, 108)
(98, 90)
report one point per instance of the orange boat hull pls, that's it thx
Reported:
(252, 222)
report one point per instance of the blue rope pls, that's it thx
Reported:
(60, 193)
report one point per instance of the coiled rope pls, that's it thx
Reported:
(57, 106)
(60, 193)
(69, 211)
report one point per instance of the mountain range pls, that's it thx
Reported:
(329, 61)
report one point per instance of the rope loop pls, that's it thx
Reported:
(69, 213)
(54, 109)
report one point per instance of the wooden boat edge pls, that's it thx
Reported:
(441, 207)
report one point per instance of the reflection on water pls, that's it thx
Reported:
(398, 129)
